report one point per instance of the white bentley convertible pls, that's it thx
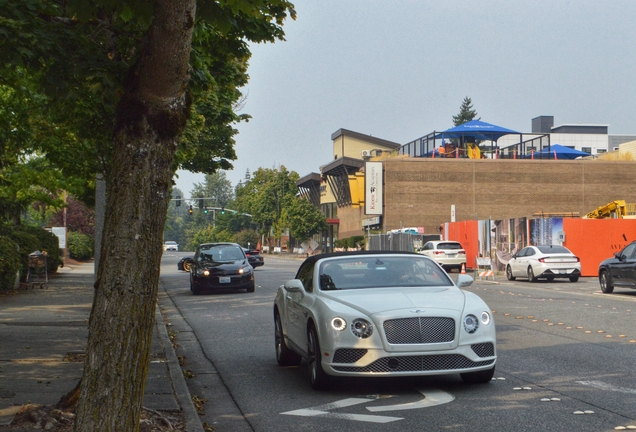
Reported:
(379, 313)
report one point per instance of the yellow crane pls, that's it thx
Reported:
(618, 209)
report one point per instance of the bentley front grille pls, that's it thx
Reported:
(417, 363)
(348, 355)
(419, 330)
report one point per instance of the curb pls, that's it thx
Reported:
(179, 386)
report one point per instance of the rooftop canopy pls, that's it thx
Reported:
(478, 130)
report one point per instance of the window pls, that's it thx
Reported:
(306, 276)
(598, 151)
(587, 149)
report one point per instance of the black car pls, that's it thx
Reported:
(220, 266)
(185, 263)
(254, 256)
(619, 271)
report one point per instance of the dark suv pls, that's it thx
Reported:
(619, 271)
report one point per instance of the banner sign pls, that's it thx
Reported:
(373, 188)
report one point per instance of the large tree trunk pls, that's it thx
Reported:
(151, 115)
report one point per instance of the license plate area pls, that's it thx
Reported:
(225, 279)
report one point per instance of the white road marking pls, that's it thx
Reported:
(323, 411)
(604, 386)
(431, 398)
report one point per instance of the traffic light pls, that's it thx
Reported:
(201, 203)
(205, 210)
(222, 210)
(190, 210)
(178, 201)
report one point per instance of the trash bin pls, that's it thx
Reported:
(37, 275)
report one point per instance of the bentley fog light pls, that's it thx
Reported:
(338, 324)
(470, 323)
(485, 318)
(361, 328)
(206, 272)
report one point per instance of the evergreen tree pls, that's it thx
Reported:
(466, 113)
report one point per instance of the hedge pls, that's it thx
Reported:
(9, 263)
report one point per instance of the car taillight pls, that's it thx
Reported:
(461, 252)
(439, 252)
(541, 260)
(577, 259)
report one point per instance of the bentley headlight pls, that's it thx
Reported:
(338, 324)
(361, 328)
(471, 324)
(206, 272)
(485, 318)
(241, 271)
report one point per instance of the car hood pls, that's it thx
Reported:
(375, 301)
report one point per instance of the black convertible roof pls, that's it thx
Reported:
(315, 258)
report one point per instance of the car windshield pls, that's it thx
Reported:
(553, 249)
(370, 271)
(220, 253)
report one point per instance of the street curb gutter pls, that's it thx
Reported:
(193, 423)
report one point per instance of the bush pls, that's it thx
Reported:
(80, 246)
(28, 243)
(49, 243)
(9, 262)
(350, 242)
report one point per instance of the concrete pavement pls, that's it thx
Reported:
(43, 334)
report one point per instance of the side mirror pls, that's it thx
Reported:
(294, 285)
(463, 281)
(619, 256)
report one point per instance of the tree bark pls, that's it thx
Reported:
(150, 117)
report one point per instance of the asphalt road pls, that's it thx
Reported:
(566, 362)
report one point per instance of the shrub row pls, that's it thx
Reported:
(16, 245)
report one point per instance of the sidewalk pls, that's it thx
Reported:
(44, 333)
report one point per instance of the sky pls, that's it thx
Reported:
(399, 70)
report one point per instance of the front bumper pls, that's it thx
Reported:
(214, 282)
(378, 362)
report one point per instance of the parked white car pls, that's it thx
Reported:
(379, 314)
(449, 254)
(544, 262)
(170, 246)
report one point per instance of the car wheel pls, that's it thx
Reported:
(186, 266)
(284, 356)
(317, 377)
(531, 277)
(606, 285)
(574, 278)
(509, 275)
(251, 287)
(481, 377)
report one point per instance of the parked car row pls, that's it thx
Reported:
(544, 262)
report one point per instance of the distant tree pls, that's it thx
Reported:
(466, 113)
(266, 195)
(305, 220)
(79, 218)
(217, 188)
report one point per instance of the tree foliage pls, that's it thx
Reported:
(265, 196)
(119, 80)
(466, 112)
(305, 219)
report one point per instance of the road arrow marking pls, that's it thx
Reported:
(431, 398)
(323, 411)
